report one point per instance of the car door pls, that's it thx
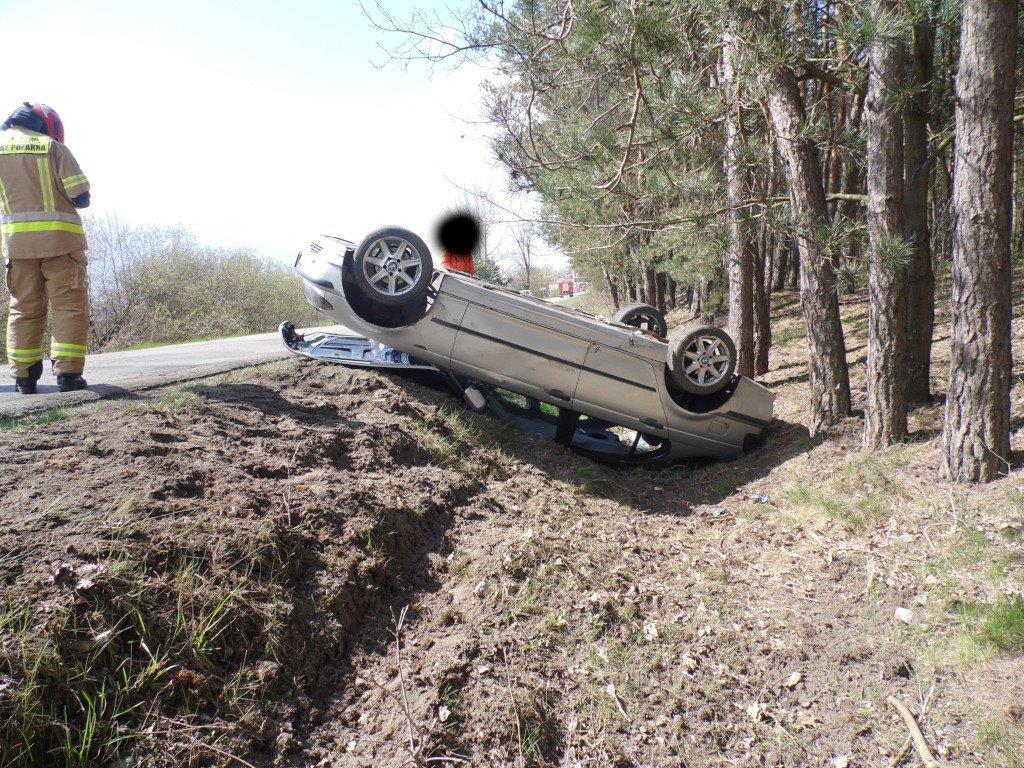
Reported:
(621, 388)
(500, 345)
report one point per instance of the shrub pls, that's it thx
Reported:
(155, 285)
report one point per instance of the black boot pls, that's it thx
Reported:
(70, 382)
(26, 385)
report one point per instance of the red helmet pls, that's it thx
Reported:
(49, 116)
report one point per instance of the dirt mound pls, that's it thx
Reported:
(220, 576)
(209, 555)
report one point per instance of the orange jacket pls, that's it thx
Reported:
(463, 262)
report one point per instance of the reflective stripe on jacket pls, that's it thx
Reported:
(38, 179)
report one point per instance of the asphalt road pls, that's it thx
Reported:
(115, 374)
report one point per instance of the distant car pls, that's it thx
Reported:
(614, 390)
(526, 292)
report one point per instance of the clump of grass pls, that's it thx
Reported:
(990, 628)
(552, 623)
(449, 435)
(593, 479)
(800, 495)
(1003, 740)
(380, 546)
(83, 678)
(538, 727)
(172, 402)
(32, 420)
(1003, 626)
(460, 564)
(786, 334)
(723, 486)
(459, 424)
(860, 493)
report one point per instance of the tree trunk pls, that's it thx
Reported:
(849, 209)
(829, 377)
(976, 435)
(650, 284)
(740, 252)
(781, 267)
(794, 264)
(921, 279)
(701, 298)
(613, 289)
(673, 287)
(885, 410)
(661, 280)
(762, 315)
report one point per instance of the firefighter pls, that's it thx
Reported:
(41, 188)
(459, 235)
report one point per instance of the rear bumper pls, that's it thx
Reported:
(354, 351)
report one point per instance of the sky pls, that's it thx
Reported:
(254, 124)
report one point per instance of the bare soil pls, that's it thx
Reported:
(219, 575)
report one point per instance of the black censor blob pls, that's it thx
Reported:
(459, 233)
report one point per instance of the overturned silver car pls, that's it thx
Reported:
(616, 390)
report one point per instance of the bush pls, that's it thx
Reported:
(160, 285)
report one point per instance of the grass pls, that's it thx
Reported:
(1004, 741)
(785, 335)
(857, 494)
(85, 677)
(451, 435)
(983, 630)
(537, 725)
(1002, 625)
(593, 479)
(169, 402)
(33, 420)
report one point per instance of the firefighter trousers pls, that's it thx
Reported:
(57, 281)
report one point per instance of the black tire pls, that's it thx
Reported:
(382, 279)
(700, 352)
(643, 316)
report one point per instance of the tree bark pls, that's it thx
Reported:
(762, 314)
(829, 376)
(921, 278)
(613, 289)
(885, 410)
(701, 298)
(650, 284)
(781, 266)
(794, 265)
(661, 280)
(740, 252)
(976, 434)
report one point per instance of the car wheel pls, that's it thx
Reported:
(701, 360)
(392, 268)
(643, 316)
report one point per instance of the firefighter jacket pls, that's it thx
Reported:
(39, 177)
(463, 262)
